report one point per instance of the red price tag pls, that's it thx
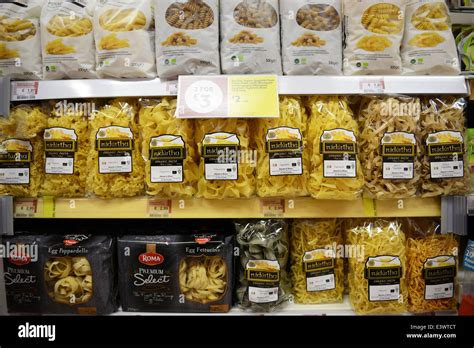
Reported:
(26, 208)
(372, 86)
(25, 90)
(272, 207)
(159, 208)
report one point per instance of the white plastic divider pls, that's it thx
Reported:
(288, 85)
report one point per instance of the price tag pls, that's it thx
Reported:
(159, 208)
(172, 87)
(25, 208)
(272, 208)
(228, 97)
(25, 90)
(372, 86)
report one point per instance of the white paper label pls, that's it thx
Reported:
(164, 174)
(339, 169)
(321, 283)
(446, 170)
(221, 171)
(59, 165)
(263, 295)
(384, 292)
(397, 170)
(439, 291)
(15, 176)
(286, 166)
(109, 165)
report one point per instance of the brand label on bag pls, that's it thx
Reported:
(446, 151)
(439, 273)
(60, 145)
(263, 278)
(167, 154)
(318, 265)
(115, 147)
(15, 161)
(398, 151)
(285, 149)
(220, 153)
(339, 149)
(383, 274)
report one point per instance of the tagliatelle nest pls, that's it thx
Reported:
(437, 115)
(376, 238)
(157, 119)
(122, 113)
(244, 186)
(377, 117)
(331, 113)
(310, 235)
(292, 115)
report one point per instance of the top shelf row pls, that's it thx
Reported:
(287, 85)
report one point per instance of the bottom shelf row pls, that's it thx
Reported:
(385, 265)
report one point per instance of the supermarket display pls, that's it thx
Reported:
(311, 37)
(67, 40)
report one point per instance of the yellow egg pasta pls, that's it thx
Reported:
(236, 180)
(115, 164)
(69, 26)
(426, 40)
(431, 16)
(280, 172)
(336, 172)
(317, 272)
(122, 20)
(382, 244)
(6, 53)
(374, 43)
(112, 42)
(383, 18)
(57, 47)
(160, 131)
(15, 29)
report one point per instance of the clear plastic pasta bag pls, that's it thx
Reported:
(21, 151)
(432, 261)
(373, 32)
(67, 39)
(168, 148)
(390, 149)
(20, 42)
(377, 267)
(124, 38)
(263, 279)
(226, 168)
(311, 37)
(283, 161)
(67, 146)
(187, 37)
(445, 169)
(333, 135)
(428, 44)
(115, 165)
(317, 271)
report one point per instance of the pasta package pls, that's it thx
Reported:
(374, 32)
(283, 163)
(377, 284)
(187, 37)
(390, 148)
(21, 148)
(336, 172)
(250, 37)
(168, 149)
(78, 274)
(124, 43)
(428, 45)
(317, 271)
(20, 43)
(224, 169)
(115, 164)
(68, 39)
(22, 274)
(445, 169)
(66, 149)
(264, 283)
(311, 37)
(432, 260)
(187, 272)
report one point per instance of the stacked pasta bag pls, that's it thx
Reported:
(68, 39)
(189, 270)
(20, 43)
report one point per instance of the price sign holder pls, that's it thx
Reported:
(234, 96)
(4, 96)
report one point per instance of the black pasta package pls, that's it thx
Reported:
(191, 271)
(22, 274)
(78, 274)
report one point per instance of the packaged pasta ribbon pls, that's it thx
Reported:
(263, 278)
(374, 32)
(187, 37)
(317, 272)
(124, 43)
(250, 37)
(336, 172)
(20, 45)
(168, 150)
(282, 167)
(68, 39)
(428, 45)
(311, 37)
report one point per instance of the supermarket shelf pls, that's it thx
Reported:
(143, 208)
(288, 85)
(462, 17)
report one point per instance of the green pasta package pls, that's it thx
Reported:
(283, 163)
(168, 148)
(263, 279)
(317, 272)
(115, 164)
(336, 172)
